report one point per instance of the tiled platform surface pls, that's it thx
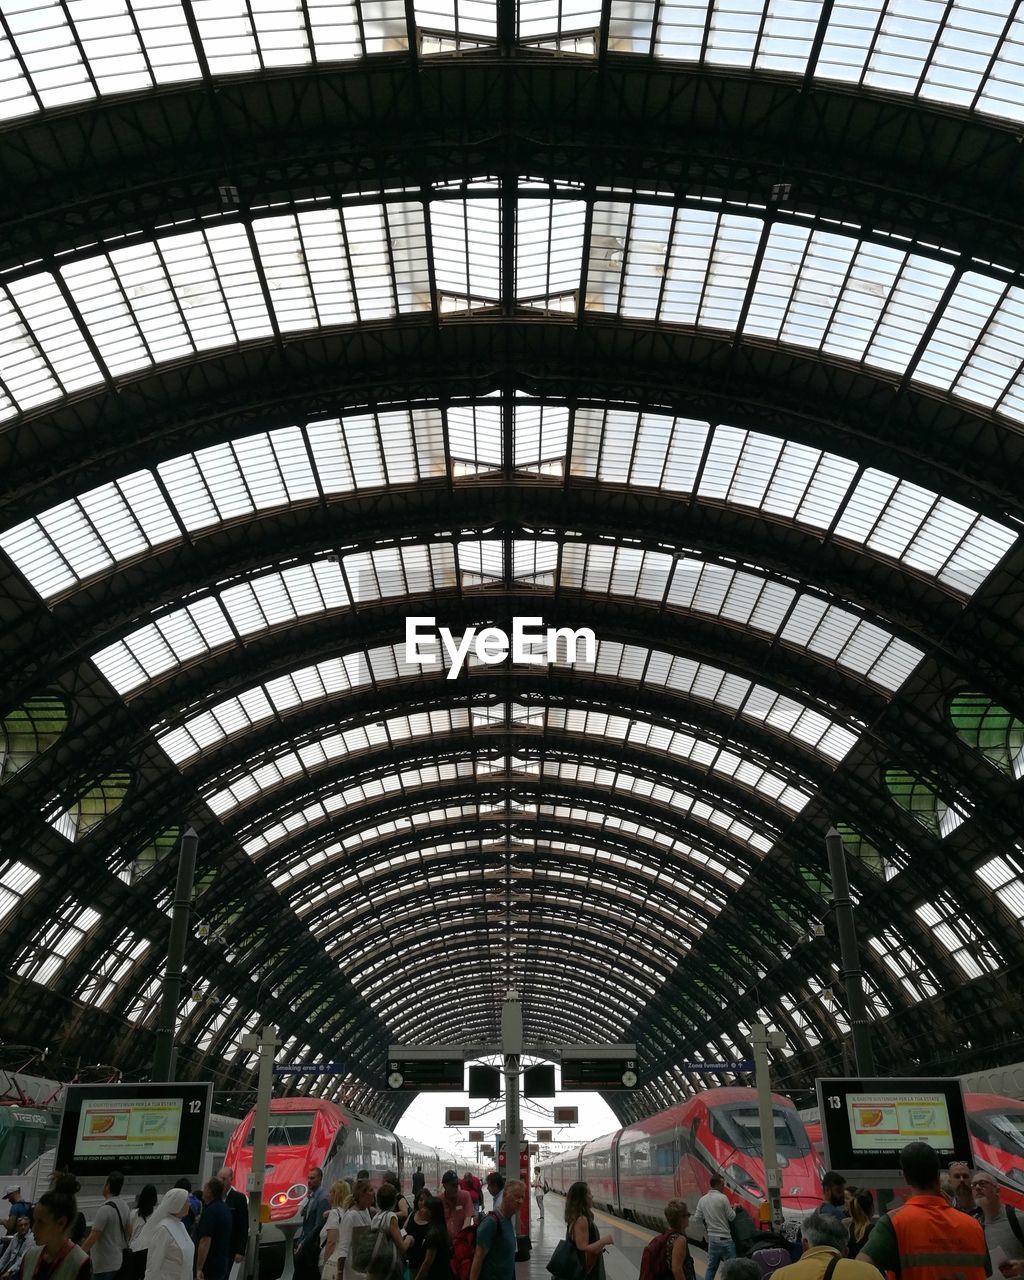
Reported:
(621, 1261)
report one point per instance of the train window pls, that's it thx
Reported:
(289, 1129)
(740, 1126)
(1002, 1129)
(665, 1158)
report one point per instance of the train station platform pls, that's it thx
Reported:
(621, 1260)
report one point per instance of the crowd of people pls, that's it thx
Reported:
(358, 1232)
(179, 1236)
(952, 1225)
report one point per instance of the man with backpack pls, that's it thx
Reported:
(495, 1255)
(107, 1242)
(1002, 1224)
(667, 1256)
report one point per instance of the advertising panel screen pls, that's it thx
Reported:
(866, 1123)
(137, 1128)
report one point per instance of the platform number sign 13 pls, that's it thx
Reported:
(835, 1103)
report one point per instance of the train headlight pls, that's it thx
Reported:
(296, 1192)
(278, 1200)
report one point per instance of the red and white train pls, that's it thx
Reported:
(309, 1132)
(996, 1125)
(635, 1171)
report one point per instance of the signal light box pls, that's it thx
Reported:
(456, 1117)
(484, 1082)
(544, 1135)
(476, 1135)
(567, 1115)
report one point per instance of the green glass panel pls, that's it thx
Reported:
(27, 731)
(990, 729)
(865, 852)
(817, 881)
(917, 798)
(162, 846)
(99, 802)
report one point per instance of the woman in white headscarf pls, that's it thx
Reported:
(169, 1248)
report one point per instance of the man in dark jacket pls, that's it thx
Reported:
(239, 1206)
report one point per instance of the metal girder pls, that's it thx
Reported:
(947, 445)
(918, 608)
(629, 120)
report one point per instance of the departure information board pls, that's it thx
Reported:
(137, 1128)
(865, 1124)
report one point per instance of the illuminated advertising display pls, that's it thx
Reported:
(137, 1128)
(865, 1124)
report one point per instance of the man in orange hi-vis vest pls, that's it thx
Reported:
(927, 1238)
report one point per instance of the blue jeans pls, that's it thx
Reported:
(720, 1249)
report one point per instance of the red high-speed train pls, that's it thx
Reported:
(634, 1172)
(996, 1126)
(309, 1131)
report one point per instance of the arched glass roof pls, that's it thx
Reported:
(730, 374)
(966, 53)
(922, 313)
(817, 490)
(232, 614)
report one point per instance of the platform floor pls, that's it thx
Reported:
(621, 1261)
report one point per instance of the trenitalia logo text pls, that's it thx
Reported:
(530, 642)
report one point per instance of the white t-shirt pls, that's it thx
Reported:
(350, 1219)
(111, 1216)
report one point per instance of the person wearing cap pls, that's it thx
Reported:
(19, 1208)
(458, 1205)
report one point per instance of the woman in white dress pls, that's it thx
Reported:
(169, 1249)
(338, 1197)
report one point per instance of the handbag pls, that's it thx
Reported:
(564, 1263)
(126, 1270)
(384, 1261)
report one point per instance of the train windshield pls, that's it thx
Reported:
(1002, 1129)
(289, 1129)
(740, 1127)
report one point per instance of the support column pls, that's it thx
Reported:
(266, 1045)
(171, 996)
(849, 955)
(511, 1059)
(760, 1039)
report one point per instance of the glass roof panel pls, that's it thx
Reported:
(869, 302)
(737, 597)
(272, 768)
(934, 536)
(968, 53)
(699, 681)
(609, 869)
